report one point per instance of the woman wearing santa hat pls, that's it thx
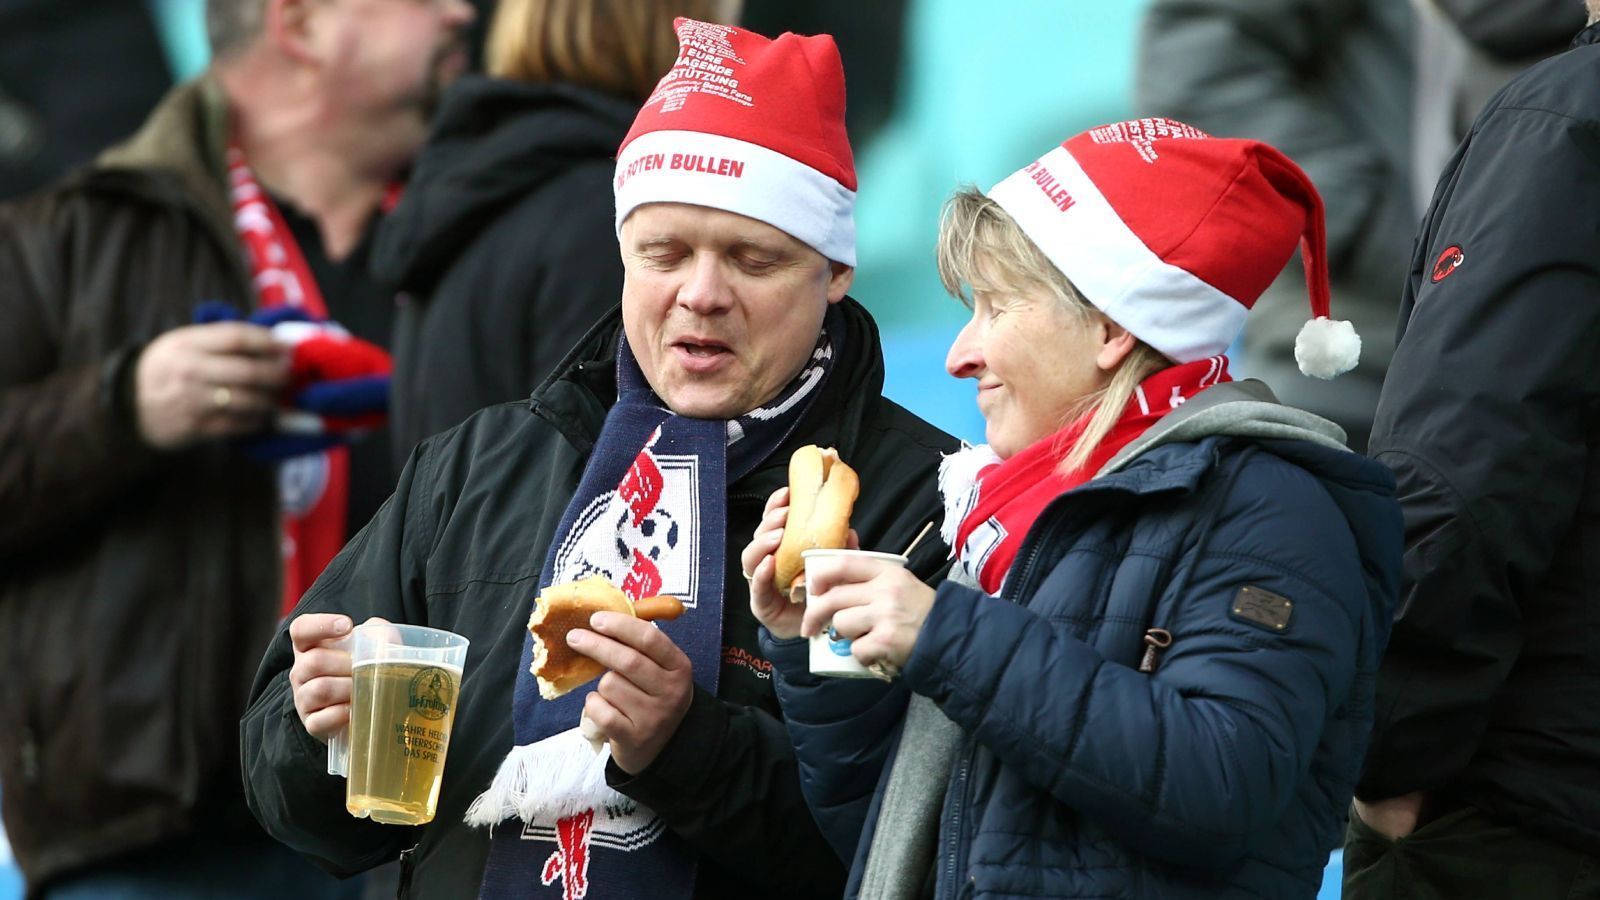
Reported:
(1150, 670)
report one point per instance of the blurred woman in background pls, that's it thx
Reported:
(503, 247)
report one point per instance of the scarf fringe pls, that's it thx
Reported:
(958, 482)
(547, 780)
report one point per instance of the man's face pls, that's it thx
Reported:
(720, 310)
(387, 61)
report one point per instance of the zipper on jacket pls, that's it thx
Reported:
(1013, 588)
(408, 863)
(1155, 641)
(953, 832)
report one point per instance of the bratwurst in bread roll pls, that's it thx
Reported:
(822, 491)
(562, 607)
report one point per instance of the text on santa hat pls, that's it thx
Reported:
(704, 66)
(1058, 196)
(1142, 134)
(683, 162)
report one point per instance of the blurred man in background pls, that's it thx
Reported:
(1329, 83)
(1480, 780)
(142, 551)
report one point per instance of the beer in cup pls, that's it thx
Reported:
(407, 680)
(830, 655)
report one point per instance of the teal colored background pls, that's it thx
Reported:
(986, 89)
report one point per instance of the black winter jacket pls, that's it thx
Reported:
(136, 587)
(503, 247)
(460, 546)
(1490, 419)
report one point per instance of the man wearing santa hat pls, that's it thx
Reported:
(645, 460)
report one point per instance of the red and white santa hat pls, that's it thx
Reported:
(750, 125)
(1174, 234)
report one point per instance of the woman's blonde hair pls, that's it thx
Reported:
(981, 248)
(619, 46)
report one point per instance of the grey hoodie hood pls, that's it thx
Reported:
(1239, 408)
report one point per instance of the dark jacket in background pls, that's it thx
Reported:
(136, 587)
(1466, 51)
(74, 78)
(1491, 685)
(503, 245)
(1224, 772)
(1328, 82)
(461, 546)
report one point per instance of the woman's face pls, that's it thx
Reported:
(1034, 361)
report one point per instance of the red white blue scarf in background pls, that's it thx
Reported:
(990, 504)
(650, 515)
(313, 488)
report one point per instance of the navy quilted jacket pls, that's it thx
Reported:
(1225, 771)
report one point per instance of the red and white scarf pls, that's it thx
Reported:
(990, 504)
(313, 489)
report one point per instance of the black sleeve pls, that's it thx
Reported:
(727, 782)
(379, 573)
(1483, 419)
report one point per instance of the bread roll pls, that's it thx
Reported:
(822, 491)
(562, 607)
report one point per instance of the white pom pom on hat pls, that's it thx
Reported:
(1174, 234)
(1327, 348)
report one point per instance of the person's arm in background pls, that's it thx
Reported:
(1239, 68)
(74, 434)
(69, 437)
(1515, 29)
(1485, 419)
(379, 573)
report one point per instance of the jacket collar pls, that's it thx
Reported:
(577, 394)
(1176, 452)
(1171, 458)
(185, 136)
(1243, 408)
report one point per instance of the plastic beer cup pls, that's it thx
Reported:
(407, 681)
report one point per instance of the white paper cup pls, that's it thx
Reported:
(829, 655)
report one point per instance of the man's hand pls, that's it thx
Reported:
(207, 381)
(320, 676)
(1396, 817)
(642, 700)
(879, 607)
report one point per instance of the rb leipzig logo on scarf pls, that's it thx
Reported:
(642, 536)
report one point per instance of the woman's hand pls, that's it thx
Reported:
(878, 606)
(758, 564)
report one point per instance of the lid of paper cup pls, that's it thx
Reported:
(865, 554)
